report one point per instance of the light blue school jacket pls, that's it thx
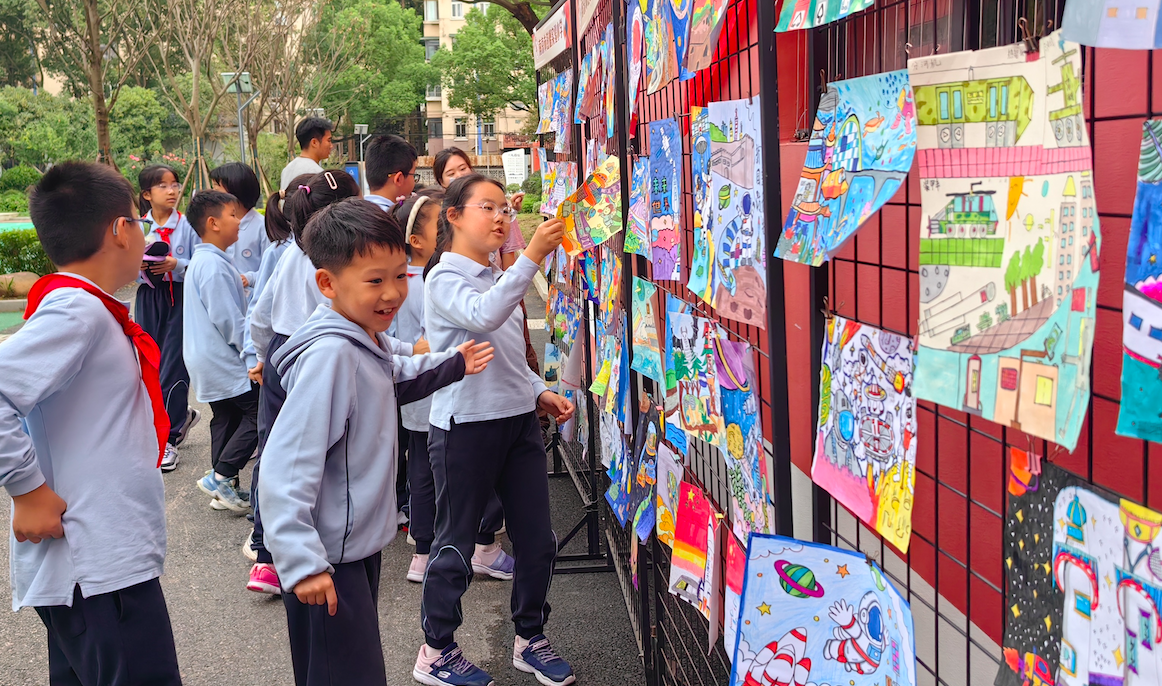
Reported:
(214, 334)
(247, 252)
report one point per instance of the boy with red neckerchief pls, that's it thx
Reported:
(82, 430)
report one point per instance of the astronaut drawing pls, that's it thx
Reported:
(860, 637)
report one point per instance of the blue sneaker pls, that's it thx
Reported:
(450, 668)
(223, 493)
(491, 561)
(539, 659)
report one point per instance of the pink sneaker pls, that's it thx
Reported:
(263, 579)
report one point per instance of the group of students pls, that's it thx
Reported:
(284, 332)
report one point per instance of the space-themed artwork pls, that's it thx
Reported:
(1142, 299)
(692, 574)
(752, 507)
(669, 481)
(865, 445)
(641, 494)
(861, 149)
(813, 614)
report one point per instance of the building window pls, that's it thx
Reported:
(434, 92)
(944, 106)
(435, 128)
(431, 10)
(457, 10)
(461, 127)
(431, 47)
(488, 128)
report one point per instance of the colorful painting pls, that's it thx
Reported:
(647, 350)
(635, 45)
(813, 614)
(735, 574)
(590, 85)
(693, 539)
(545, 108)
(592, 213)
(1009, 237)
(701, 261)
(1112, 24)
(1142, 299)
(865, 445)
(861, 148)
(694, 340)
(806, 14)
(620, 469)
(607, 109)
(637, 238)
(672, 408)
(660, 58)
(665, 196)
(751, 505)
(669, 480)
(641, 497)
(705, 25)
(551, 367)
(737, 225)
(680, 19)
(557, 183)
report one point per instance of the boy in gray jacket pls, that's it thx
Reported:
(329, 467)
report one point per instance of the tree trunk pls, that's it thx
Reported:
(1034, 280)
(523, 12)
(1025, 293)
(94, 60)
(1013, 297)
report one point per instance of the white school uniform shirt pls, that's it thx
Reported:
(297, 166)
(385, 204)
(466, 300)
(214, 331)
(181, 241)
(246, 253)
(409, 327)
(74, 414)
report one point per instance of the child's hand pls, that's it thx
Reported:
(517, 200)
(168, 265)
(545, 240)
(37, 515)
(476, 356)
(245, 281)
(421, 346)
(559, 407)
(255, 374)
(318, 589)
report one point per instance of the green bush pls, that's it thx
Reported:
(532, 184)
(20, 251)
(13, 201)
(18, 178)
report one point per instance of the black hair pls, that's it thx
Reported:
(147, 179)
(206, 204)
(388, 155)
(238, 180)
(312, 128)
(443, 158)
(403, 211)
(339, 232)
(324, 188)
(73, 204)
(457, 195)
(278, 228)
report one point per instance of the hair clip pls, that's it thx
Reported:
(331, 181)
(305, 188)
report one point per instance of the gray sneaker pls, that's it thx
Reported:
(192, 419)
(171, 459)
(223, 492)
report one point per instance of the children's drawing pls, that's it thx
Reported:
(672, 407)
(1112, 24)
(861, 148)
(701, 261)
(592, 213)
(1142, 300)
(660, 58)
(557, 183)
(590, 85)
(697, 373)
(692, 541)
(665, 194)
(705, 25)
(669, 480)
(813, 614)
(680, 19)
(621, 469)
(552, 366)
(545, 107)
(751, 504)
(735, 574)
(635, 45)
(607, 112)
(806, 14)
(865, 445)
(641, 497)
(1009, 237)
(647, 354)
(739, 277)
(637, 238)
(562, 107)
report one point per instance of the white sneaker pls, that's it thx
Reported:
(250, 553)
(192, 419)
(417, 568)
(216, 504)
(171, 459)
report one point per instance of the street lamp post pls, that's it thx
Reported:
(361, 131)
(238, 86)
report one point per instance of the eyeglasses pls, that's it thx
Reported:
(494, 210)
(175, 187)
(135, 220)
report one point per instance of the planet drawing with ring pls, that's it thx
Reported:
(797, 580)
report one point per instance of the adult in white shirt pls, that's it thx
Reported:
(314, 136)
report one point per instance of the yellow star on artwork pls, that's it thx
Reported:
(1061, 522)
(764, 609)
(841, 570)
(1118, 656)
(1016, 610)
(1048, 624)
(1048, 568)
(1109, 581)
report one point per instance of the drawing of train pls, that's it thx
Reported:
(997, 110)
(1068, 125)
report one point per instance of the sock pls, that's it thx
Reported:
(428, 655)
(219, 477)
(488, 553)
(521, 644)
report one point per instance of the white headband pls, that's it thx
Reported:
(420, 200)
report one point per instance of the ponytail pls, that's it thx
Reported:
(457, 195)
(278, 228)
(303, 200)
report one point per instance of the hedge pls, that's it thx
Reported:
(20, 251)
(13, 201)
(18, 178)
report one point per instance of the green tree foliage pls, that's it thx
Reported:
(17, 62)
(389, 79)
(40, 129)
(491, 65)
(135, 124)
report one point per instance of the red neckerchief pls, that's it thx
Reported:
(163, 234)
(148, 354)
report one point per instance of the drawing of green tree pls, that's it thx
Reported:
(1036, 262)
(1013, 278)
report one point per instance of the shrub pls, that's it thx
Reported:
(18, 178)
(20, 251)
(13, 201)
(532, 184)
